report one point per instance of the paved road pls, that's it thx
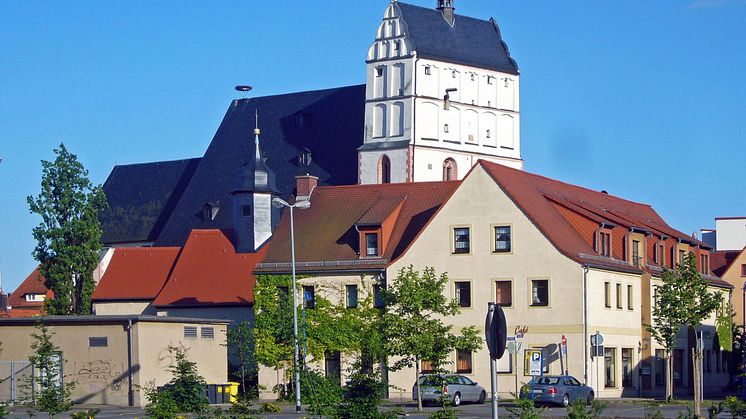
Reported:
(616, 409)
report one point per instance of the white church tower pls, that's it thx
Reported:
(442, 92)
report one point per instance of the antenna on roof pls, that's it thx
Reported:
(245, 88)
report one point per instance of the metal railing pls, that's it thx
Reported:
(16, 381)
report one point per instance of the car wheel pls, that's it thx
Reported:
(482, 396)
(457, 399)
(565, 400)
(590, 397)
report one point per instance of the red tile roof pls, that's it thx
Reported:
(326, 237)
(721, 261)
(565, 214)
(209, 272)
(136, 273)
(33, 284)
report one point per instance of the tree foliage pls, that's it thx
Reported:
(186, 386)
(413, 323)
(682, 300)
(52, 392)
(240, 344)
(68, 238)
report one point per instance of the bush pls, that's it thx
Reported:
(526, 409)
(735, 406)
(187, 387)
(83, 414)
(322, 394)
(445, 413)
(270, 407)
(653, 412)
(582, 410)
(688, 415)
(362, 398)
(161, 404)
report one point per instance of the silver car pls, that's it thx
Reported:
(556, 389)
(456, 388)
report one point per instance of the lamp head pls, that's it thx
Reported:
(302, 204)
(279, 203)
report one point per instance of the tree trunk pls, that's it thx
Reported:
(696, 371)
(417, 384)
(669, 376)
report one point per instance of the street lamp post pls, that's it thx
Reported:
(743, 343)
(279, 203)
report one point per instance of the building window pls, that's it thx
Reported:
(449, 169)
(604, 248)
(309, 296)
(463, 293)
(34, 298)
(379, 71)
(708, 358)
(207, 333)
(488, 133)
(539, 292)
(630, 299)
(504, 293)
(704, 262)
(246, 210)
(678, 366)
(463, 361)
(743, 270)
(626, 367)
(190, 332)
(427, 367)
(682, 255)
(607, 294)
(609, 367)
(351, 292)
(378, 301)
(636, 259)
(384, 170)
(454, 73)
(502, 239)
(396, 45)
(445, 128)
(490, 80)
(461, 243)
(618, 295)
(371, 244)
(427, 70)
(98, 341)
(333, 366)
(660, 368)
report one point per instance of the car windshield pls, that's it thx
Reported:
(546, 380)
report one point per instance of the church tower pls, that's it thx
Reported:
(254, 217)
(442, 92)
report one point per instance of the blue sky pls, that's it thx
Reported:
(643, 99)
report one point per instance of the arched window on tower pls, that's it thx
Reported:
(384, 170)
(449, 169)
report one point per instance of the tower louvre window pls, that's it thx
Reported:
(428, 71)
(246, 210)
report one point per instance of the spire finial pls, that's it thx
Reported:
(257, 131)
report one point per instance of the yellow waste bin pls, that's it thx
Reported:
(233, 391)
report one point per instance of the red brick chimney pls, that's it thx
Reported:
(304, 186)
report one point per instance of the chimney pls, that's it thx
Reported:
(446, 7)
(304, 186)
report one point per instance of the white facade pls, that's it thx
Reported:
(408, 119)
(730, 233)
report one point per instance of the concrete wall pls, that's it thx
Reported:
(731, 233)
(101, 373)
(124, 307)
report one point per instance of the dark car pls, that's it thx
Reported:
(556, 389)
(457, 388)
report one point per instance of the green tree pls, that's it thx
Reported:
(186, 387)
(681, 300)
(240, 343)
(413, 322)
(68, 238)
(52, 392)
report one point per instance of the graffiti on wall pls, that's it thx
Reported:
(99, 374)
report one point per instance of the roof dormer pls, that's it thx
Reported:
(377, 224)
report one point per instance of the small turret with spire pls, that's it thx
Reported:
(449, 11)
(254, 218)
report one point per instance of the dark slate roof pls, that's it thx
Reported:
(141, 198)
(328, 122)
(469, 41)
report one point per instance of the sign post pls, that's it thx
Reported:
(597, 350)
(496, 335)
(533, 360)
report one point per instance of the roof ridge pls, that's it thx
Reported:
(146, 249)
(388, 185)
(155, 162)
(566, 183)
(252, 99)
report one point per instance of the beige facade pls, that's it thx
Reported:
(101, 370)
(542, 291)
